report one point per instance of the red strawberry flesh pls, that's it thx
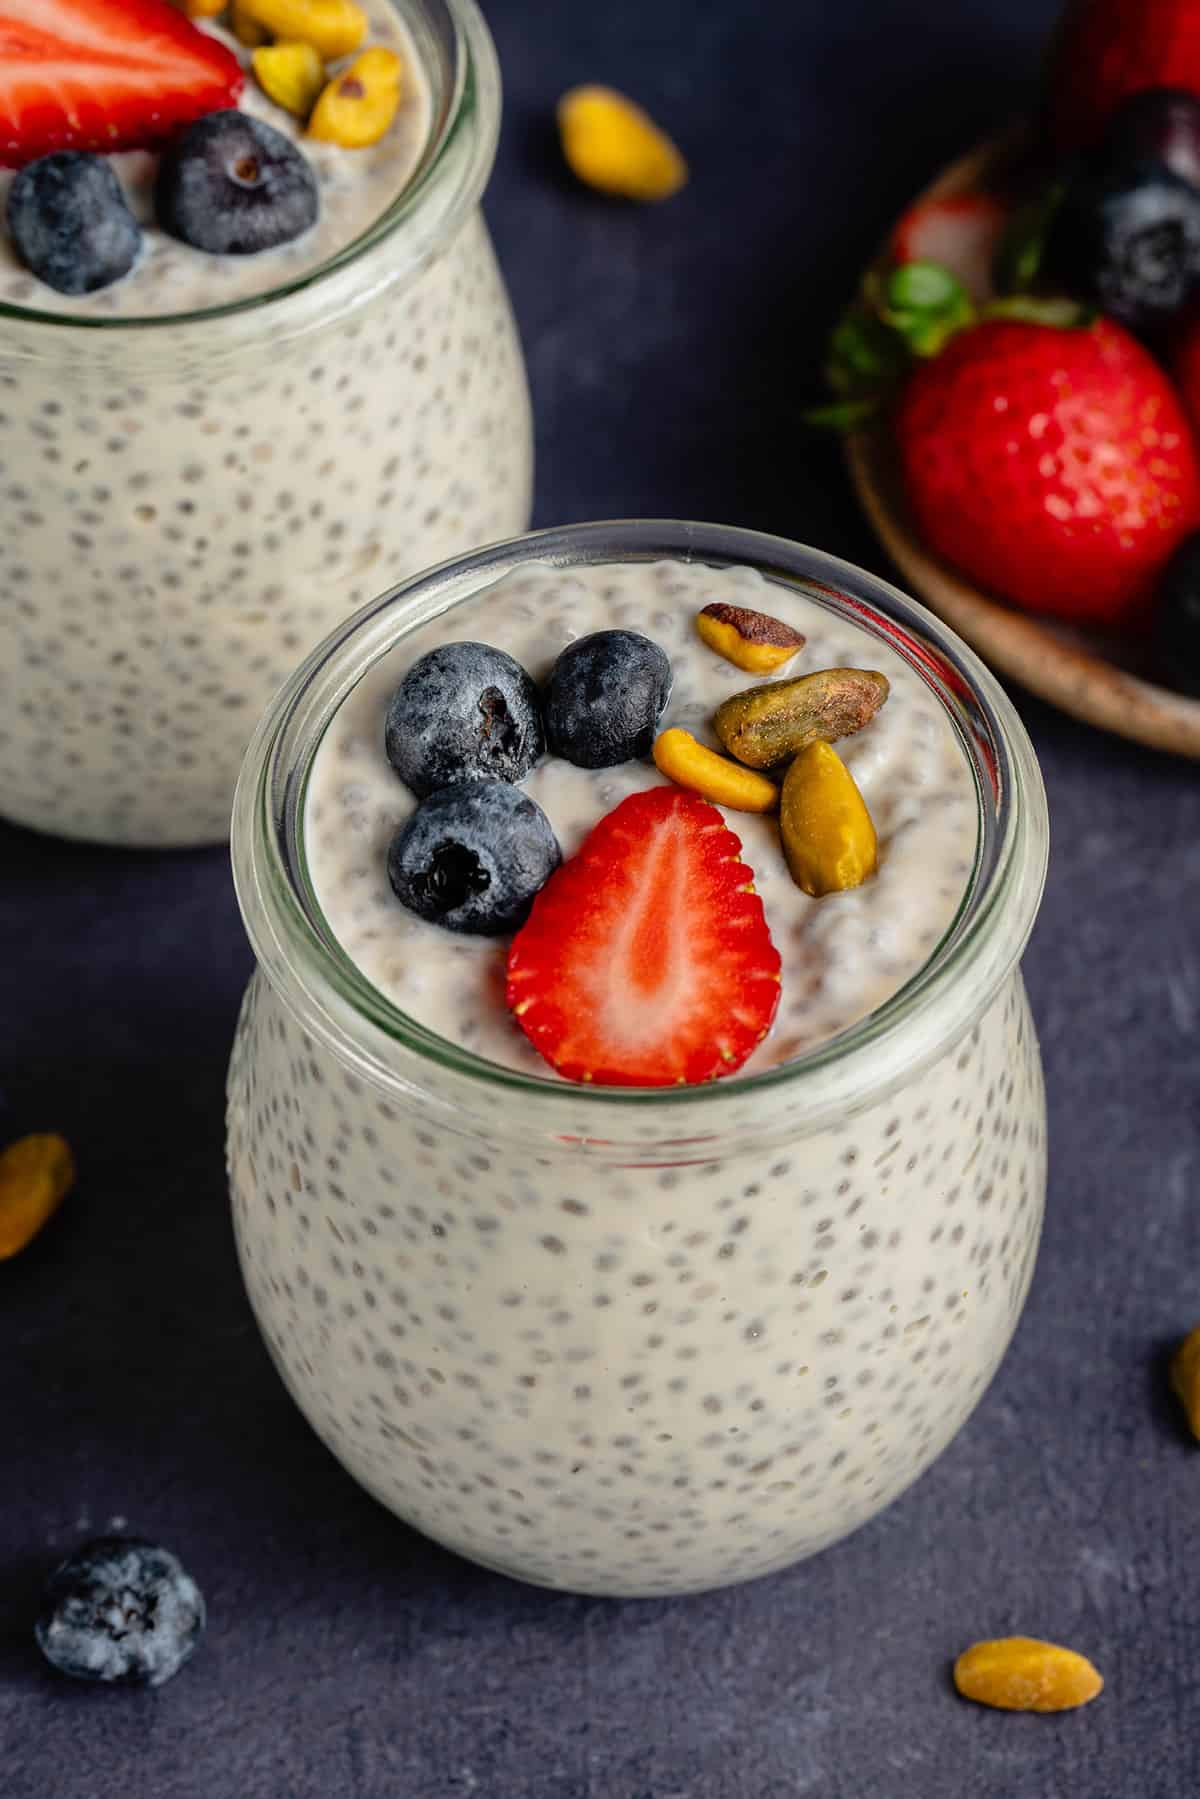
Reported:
(959, 231)
(104, 75)
(646, 960)
(1054, 467)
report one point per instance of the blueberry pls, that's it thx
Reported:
(1178, 622)
(68, 219)
(1128, 239)
(604, 698)
(120, 1610)
(463, 712)
(232, 185)
(472, 857)
(1160, 124)
(1126, 235)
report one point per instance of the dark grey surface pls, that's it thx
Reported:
(669, 352)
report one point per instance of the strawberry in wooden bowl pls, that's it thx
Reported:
(1054, 464)
(1020, 378)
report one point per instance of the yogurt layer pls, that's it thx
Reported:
(170, 277)
(843, 956)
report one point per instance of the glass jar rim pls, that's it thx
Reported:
(337, 1004)
(446, 183)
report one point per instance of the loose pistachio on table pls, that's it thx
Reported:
(1024, 1674)
(36, 1174)
(612, 145)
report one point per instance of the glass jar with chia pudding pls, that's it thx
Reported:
(209, 462)
(646, 1332)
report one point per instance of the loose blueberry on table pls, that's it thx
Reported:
(122, 1611)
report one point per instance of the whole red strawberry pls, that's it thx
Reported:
(1053, 467)
(1105, 50)
(646, 960)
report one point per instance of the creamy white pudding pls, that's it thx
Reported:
(843, 955)
(656, 1342)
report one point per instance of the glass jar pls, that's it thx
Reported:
(638, 1341)
(188, 503)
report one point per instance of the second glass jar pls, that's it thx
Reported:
(187, 504)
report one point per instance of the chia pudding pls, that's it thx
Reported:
(209, 463)
(641, 1341)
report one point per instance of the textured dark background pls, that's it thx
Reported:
(669, 351)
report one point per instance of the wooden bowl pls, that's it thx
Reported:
(1072, 672)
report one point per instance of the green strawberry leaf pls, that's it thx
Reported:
(864, 355)
(925, 304)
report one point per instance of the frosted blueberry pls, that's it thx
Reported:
(120, 1610)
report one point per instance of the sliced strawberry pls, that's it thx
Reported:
(104, 75)
(646, 961)
(961, 232)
